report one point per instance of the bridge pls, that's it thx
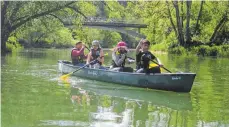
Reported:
(121, 27)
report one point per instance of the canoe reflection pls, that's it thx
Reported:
(178, 101)
(125, 106)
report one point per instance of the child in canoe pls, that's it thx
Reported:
(96, 54)
(119, 58)
(77, 54)
(143, 58)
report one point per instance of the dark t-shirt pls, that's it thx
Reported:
(143, 59)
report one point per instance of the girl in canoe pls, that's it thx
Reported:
(96, 54)
(77, 54)
(143, 58)
(119, 58)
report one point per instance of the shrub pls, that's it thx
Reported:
(12, 44)
(202, 50)
(177, 50)
(214, 51)
(224, 50)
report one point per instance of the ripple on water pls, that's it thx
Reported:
(63, 123)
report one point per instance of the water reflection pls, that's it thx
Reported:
(126, 106)
(79, 96)
(181, 101)
(104, 114)
(63, 123)
(34, 53)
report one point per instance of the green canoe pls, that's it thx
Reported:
(178, 82)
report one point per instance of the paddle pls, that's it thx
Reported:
(64, 77)
(87, 48)
(161, 66)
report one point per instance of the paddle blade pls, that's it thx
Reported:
(65, 77)
(153, 65)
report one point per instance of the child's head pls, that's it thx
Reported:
(145, 45)
(79, 44)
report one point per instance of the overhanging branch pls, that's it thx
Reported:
(15, 10)
(77, 11)
(57, 18)
(39, 15)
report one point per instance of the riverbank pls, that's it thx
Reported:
(202, 50)
(14, 44)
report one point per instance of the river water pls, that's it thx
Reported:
(33, 95)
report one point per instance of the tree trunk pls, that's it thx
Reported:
(171, 19)
(217, 28)
(182, 14)
(4, 37)
(187, 34)
(4, 31)
(198, 18)
(179, 25)
(3, 45)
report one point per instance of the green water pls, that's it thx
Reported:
(32, 95)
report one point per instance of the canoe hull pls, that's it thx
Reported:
(178, 82)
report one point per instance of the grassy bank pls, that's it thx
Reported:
(202, 50)
(13, 44)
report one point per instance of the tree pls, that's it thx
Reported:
(16, 14)
(197, 27)
(179, 24)
(12, 19)
(218, 27)
(188, 16)
(170, 18)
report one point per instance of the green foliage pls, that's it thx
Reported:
(203, 50)
(158, 23)
(159, 47)
(110, 39)
(225, 47)
(225, 50)
(177, 50)
(40, 22)
(87, 8)
(114, 10)
(160, 17)
(214, 51)
(12, 44)
(46, 30)
(87, 35)
(160, 30)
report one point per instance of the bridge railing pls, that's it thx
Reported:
(102, 19)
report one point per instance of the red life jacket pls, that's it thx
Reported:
(77, 58)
